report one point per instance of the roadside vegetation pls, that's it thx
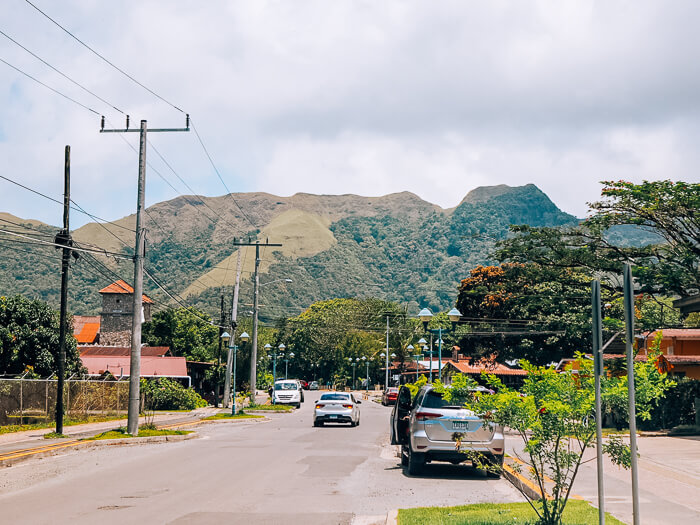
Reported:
(270, 408)
(227, 415)
(577, 513)
(7, 429)
(121, 433)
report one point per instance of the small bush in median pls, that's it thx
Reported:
(166, 394)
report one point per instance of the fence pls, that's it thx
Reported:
(25, 401)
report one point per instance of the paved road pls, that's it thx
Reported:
(278, 471)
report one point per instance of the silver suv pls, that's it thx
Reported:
(430, 428)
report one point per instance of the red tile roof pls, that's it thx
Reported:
(97, 350)
(86, 328)
(122, 287)
(497, 369)
(678, 333)
(151, 366)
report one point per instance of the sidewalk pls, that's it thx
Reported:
(29, 438)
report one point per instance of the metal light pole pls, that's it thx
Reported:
(629, 340)
(366, 374)
(286, 363)
(425, 316)
(597, 371)
(416, 357)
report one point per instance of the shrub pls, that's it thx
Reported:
(166, 394)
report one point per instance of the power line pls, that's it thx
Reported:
(49, 87)
(104, 59)
(39, 241)
(228, 192)
(60, 72)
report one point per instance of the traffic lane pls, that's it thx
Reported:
(283, 467)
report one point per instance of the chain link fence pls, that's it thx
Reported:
(27, 401)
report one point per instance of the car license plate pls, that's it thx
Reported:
(334, 416)
(460, 425)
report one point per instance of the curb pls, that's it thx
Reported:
(392, 517)
(523, 484)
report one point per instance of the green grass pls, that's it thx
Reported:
(228, 415)
(54, 435)
(67, 422)
(271, 408)
(120, 433)
(576, 513)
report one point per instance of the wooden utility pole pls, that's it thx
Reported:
(256, 286)
(234, 323)
(140, 245)
(63, 238)
(222, 319)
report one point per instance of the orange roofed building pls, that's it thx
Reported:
(680, 347)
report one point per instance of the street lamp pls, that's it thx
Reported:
(286, 363)
(354, 367)
(274, 364)
(425, 316)
(227, 339)
(366, 374)
(415, 356)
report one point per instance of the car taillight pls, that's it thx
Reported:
(423, 416)
(347, 406)
(320, 406)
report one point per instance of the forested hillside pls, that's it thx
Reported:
(396, 247)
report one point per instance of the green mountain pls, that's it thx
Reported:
(396, 247)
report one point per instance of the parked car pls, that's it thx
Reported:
(313, 385)
(426, 428)
(287, 392)
(389, 395)
(337, 407)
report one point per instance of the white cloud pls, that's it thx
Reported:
(355, 96)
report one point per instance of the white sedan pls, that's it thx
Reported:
(337, 407)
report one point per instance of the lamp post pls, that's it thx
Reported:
(366, 374)
(416, 357)
(227, 339)
(353, 362)
(425, 316)
(286, 363)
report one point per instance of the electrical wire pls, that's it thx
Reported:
(60, 72)
(49, 87)
(38, 241)
(103, 58)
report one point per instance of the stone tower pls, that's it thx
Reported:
(116, 315)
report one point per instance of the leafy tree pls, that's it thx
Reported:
(187, 331)
(29, 335)
(525, 311)
(551, 415)
(665, 258)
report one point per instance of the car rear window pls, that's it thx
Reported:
(433, 399)
(335, 397)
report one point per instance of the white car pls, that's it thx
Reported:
(287, 392)
(337, 407)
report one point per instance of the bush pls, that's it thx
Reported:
(166, 394)
(677, 408)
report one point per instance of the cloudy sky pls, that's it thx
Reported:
(366, 97)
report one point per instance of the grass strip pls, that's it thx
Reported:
(54, 435)
(228, 415)
(576, 513)
(271, 408)
(120, 433)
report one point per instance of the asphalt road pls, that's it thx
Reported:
(277, 471)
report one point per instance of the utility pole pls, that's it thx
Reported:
(256, 286)
(234, 323)
(218, 353)
(386, 375)
(139, 249)
(597, 371)
(64, 238)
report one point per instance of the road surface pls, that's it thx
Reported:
(277, 471)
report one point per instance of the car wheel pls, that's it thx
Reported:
(317, 423)
(416, 462)
(404, 456)
(298, 405)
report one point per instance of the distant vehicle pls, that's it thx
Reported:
(313, 385)
(304, 384)
(337, 407)
(389, 396)
(426, 427)
(287, 392)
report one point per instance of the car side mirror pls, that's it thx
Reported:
(316, 401)
(359, 402)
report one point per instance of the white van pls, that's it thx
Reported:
(287, 392)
